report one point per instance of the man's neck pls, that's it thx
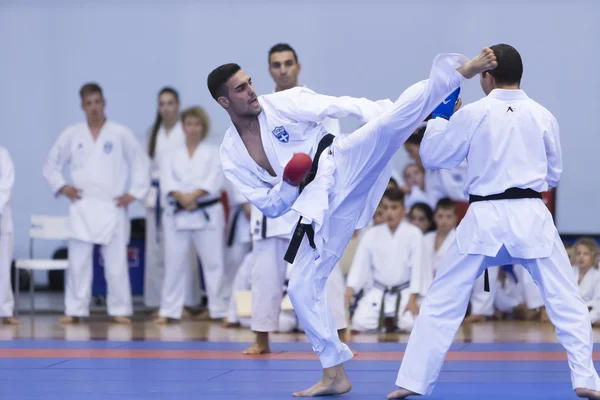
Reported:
(281, 89)
(96, 124)
(246, 125)
(515, 86)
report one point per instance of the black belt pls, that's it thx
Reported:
(200, 204)
(301, 229)
(232, 228)
(509, 194)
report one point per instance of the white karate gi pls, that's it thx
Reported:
(7, 179)
(417, 195)
(237, 235)
(482, 302)
(350, 182)
(100, 170)
(154, 269)
(385, 259)
(589, 288)
(243, 282)
(432, 257)
(202, 229)
(510, 141)
(270, 238)
(513, 292)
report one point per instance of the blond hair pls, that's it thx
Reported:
(197, 112)
(591, 245)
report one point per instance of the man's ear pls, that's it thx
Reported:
(223, 101)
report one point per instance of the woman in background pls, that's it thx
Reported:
(166, 134)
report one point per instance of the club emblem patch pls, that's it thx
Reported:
(108, 146)
(281, 134)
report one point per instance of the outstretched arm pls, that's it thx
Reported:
(446, 143)
(302, 104)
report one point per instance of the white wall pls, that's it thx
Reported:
(373, 49)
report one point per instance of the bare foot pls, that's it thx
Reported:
(485, 61)
(186, 313)
(227, 324)
(334, 382)
(10, 321)
(121, 320)
(587, 394)
(544, 315)
(473, 319)
(401, 394)
(257, 349)
(164, 320)
(69, 320)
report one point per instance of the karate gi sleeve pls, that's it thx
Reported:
(417, 281)
(272, 201)
(7, 178)
(446, 143)
(305, 105)
(215, 179)
(359, 274)
(553, 154)
(59, 156)
(139, 165)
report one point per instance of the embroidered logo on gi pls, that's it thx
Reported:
(108, 146)
(281, 134)
(457, 177)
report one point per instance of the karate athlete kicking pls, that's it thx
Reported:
(513, 147)
(258, 157)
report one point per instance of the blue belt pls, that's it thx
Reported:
(157, 210)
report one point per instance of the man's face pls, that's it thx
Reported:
(93, 106)
(240, 98)
(284, 70)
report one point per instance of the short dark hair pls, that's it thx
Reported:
(219, 77)
(281, 47)
(90, 88)
(510, 66)
(394, 194)
(417, 136)
(446, 204)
